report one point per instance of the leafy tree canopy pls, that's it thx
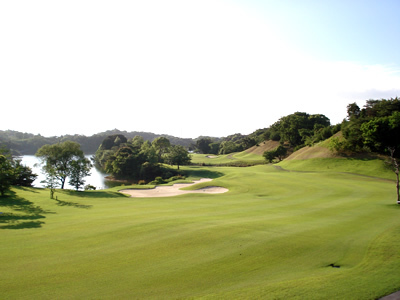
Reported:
(58, 159)
(297, 129)
(137, 159)
(13, 172)
(374, 127)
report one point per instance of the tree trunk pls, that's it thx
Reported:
(397, 185)
(62, 183)
(395, 164)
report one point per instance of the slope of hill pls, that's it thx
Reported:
(320, 158)
(248, 157)
(262, 147)
(319, 150)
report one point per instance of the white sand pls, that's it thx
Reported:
(174, 190)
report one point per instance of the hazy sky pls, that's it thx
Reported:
(190, 68)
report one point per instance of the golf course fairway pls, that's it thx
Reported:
(274, 235)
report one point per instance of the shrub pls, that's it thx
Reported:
(90, 187)
(157, 181)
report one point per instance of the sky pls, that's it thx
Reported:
(191, 68)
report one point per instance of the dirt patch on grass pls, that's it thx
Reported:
(312, 152)
(262, 147)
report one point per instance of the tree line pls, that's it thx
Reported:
(294, 131)
(28, 144)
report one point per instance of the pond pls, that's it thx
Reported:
(96, 177)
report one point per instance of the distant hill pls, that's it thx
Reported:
(28, 144)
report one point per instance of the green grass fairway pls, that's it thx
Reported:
(238, 158)
(274, 235)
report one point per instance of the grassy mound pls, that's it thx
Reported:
(274, 235)
(320, 158)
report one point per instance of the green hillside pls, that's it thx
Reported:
(320, 158)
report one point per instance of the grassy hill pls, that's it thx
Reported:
(320, 158)
(316, 158)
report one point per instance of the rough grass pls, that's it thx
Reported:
(274, 235)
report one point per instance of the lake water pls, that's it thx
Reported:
(96, 177)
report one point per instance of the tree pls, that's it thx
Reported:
(56, 159)
(229, 147)
(137, 141)
(161, 145)
(203, 145)
(269, 155)
(6, 174)
(298, 127)
(178, 155)
(23, 175)
(149, 152)
(126, 162)
(113, 141)
(373, 110)
(353, 111)
(149, 171)
(214, 147)
(80, 168)
(395, 165)
(279, 152)
(12, 172)
(51, 182)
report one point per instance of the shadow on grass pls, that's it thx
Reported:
(393, 205)
(90, 194)
(203, 173)
(73, 204)
(20, 222)
(25, 214)
(27, 189)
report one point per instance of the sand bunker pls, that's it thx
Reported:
(174, 190)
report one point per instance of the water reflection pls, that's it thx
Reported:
(96, 178)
